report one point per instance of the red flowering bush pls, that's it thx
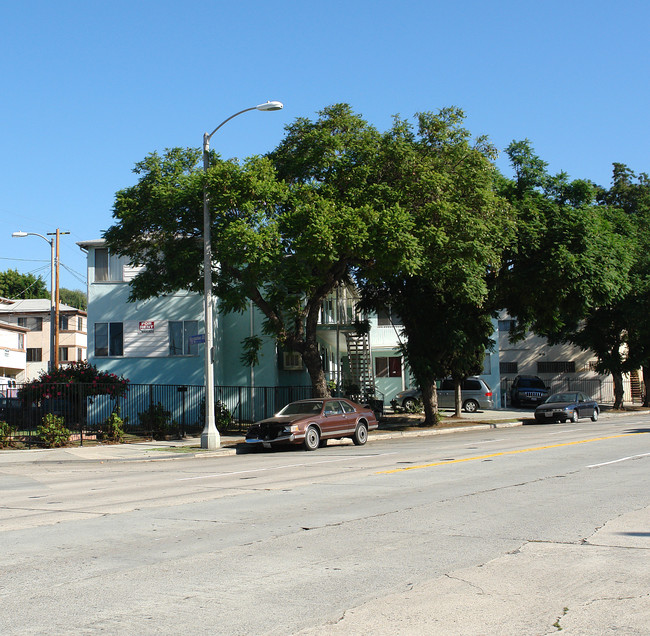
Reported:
(53, 383)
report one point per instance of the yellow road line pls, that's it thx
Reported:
(512, 452)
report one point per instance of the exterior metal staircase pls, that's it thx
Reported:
(360, 361)
(635, 388)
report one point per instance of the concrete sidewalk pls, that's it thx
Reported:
(391, 426)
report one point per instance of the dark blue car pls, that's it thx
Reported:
(572, 405)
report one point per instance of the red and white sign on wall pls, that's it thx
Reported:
(146, 326)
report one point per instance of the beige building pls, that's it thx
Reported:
(12, 351)
(34, 316)
(562, 367)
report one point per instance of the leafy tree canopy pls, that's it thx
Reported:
(570, 272)
(446, 181)
(74, 298)
(13, 284)
(286, 229)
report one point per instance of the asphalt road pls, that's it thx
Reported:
(508, 531)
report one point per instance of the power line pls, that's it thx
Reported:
(80, 277)
(24, 260)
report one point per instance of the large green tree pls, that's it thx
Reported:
(569, 271)
(286, 229)
(446, 181)
(631, 194)
(13, 284)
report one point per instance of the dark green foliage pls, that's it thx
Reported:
(286, 229)
(6, 432)
(570, 275)
(13, 284)
(222, 417)
(156, 420)
(112, 429)
(53, 432)
(74, 298)
(461, 227)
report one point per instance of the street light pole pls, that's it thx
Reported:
(54, 291)
(210, 435)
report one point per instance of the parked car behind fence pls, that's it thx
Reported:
(475, 395)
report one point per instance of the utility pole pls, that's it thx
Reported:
(55, 326)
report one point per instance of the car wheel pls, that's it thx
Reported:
(594, 416)
(408, 404)
(471, 406)
(360, 436)
(312, 438)
(574, 416)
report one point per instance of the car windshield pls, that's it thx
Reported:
(531, 383)
(563, 397)
(300, 408)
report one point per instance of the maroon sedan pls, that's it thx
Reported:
(312, 422)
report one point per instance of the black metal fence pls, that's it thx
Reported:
(599, 389)
(146, 409)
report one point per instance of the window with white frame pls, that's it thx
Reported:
(108, 267)
(388, 367)
(292, 361)
(387, 318)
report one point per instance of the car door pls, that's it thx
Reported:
(585, 407)
(349, 418)
(334, 419)
(446, 394)
(472, 390)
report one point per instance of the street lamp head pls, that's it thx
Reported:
(18, 234)
(270, 106)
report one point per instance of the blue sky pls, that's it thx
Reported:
(89, 88)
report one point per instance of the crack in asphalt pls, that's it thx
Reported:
(469, 583)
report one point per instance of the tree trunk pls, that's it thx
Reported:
(617, 377)
(646, 385)
(458, 398)
(312, 360)
(430, 402)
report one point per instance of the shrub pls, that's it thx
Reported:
(414, 407)
(155, 419)
(6, 430)
(52, 431)
(112, 428)
(50, 383)
(222, 416)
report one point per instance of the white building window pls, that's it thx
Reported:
(180, 332)
(107, 266)
(109, 339)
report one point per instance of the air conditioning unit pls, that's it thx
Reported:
(292, 361)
